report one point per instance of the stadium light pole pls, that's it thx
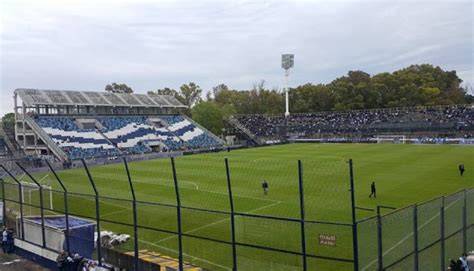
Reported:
(287, 62)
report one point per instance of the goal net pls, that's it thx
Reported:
(30, 193)
(396, 139)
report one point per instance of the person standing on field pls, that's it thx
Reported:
(265, 187)
(461, 169)
(373, 191)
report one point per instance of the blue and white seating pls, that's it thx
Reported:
(194, 136)
(129, 132)
(122, 135)
(74, 141)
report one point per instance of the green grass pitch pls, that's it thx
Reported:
(404, 174)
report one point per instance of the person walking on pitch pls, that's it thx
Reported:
(373, 190)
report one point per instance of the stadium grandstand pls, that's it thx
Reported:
(414, 123)
(85, 124)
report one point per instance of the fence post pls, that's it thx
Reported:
(302, 214)
(178, 212)
(97, 211)
(66, 209)
(379, 240)
(415, 235)
(464, 223)
(441, 215)
(232, 218)
(134, 209)
(20, 197)
(354, 220)
(43, 234)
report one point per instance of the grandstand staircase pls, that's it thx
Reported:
(166, 125)
(246, 132)
(46, 139)
(12, 146)
(152, 123)
(107, 139)
(204, 129)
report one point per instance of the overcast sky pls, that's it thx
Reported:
(81, 45)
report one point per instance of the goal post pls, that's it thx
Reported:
(30, 195)
(395, 139)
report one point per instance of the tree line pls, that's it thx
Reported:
(416, 85)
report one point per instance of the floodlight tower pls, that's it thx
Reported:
(287, 62)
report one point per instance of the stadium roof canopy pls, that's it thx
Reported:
(41, 97)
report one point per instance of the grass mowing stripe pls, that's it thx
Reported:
(154, 181)
(115, 212)
(405, 174)
(217, 222)
(185, 254)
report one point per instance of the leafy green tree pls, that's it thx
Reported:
(218, 89)
(8, 121)
(190, 94)
(164, 91)
(311, 98)
(415, 85)
(209, 115)
(118, 88)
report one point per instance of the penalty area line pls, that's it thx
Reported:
(185, 254)
(217, 222)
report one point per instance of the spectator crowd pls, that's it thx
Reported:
(454, 119)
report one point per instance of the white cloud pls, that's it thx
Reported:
(147, 44)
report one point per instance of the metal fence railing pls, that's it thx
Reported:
(217, 224)
(205, 214)
(419, 237)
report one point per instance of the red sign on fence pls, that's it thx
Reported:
(327, 240)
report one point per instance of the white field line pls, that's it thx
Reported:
(196, 187)
(248, 197)
(274, 202)
(409, 235)
(21, 177)
(115, 212)
(124, 208)
(185, 254)
(217, 222)
(210, 191)
(44, 177)
(165, 248)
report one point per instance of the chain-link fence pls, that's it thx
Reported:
(229, 214)
(419, 237)
(213, 213)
